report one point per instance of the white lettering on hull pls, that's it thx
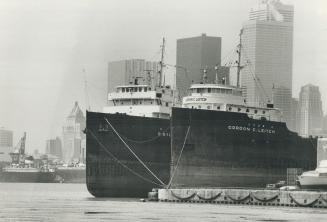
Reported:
(251, 129)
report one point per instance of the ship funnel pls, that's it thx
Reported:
(270, 105)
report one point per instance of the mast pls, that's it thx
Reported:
(161, 63)
(216, 79)
(239, 67)
(148, 76)
(87, 100)
(205, 76)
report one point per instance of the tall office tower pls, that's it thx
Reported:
(125, 71)
(324, 125)
(267, 52)
(6, 141)
(73, 135)
(193, 56)
(310, 110)
(294, 116)
(282, 98)
(53, 147)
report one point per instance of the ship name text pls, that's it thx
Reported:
(251, 129)
(196, 99)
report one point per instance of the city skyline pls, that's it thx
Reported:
(267, 40)
(267, 56)
(46, 46)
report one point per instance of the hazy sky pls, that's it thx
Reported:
(46, 44)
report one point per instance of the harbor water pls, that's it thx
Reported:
(72, 202)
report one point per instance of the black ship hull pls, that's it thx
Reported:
(111, 169)
(28, 177)
(226, 149)
(222, 149)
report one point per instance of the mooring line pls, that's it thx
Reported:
(179, 157)
(126, 145)
(121, 163)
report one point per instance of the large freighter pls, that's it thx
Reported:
(128, 145)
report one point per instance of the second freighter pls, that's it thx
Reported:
(219, 141)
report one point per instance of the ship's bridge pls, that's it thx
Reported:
(141, 100)
(226, 98)
(212, 95)
(132, 91)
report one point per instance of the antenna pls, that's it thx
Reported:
(164, 80)
(205, 75)
(161, 63)
(239, 67)
(87, 101)
(216, 80)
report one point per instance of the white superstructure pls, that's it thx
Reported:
(315, 178)
(141, 100)
(220, 97)
(148, 100)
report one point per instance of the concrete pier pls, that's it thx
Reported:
(264, 197)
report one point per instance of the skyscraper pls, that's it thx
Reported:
(193, 56)
(267, 52)
(282, 98)
(6, 141)
(294, 116)
(73, 135)
(53, 147)
(125, 71)
(310, 110)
